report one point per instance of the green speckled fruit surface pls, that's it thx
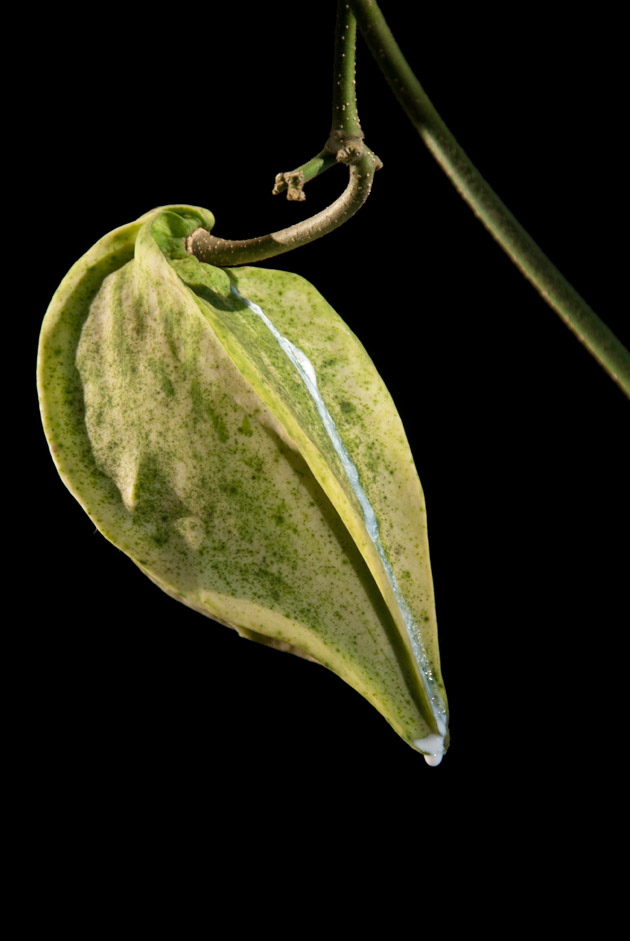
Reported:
(177, 419)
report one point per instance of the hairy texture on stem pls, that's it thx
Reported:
(515, 241)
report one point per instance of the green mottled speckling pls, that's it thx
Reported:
(180, 425)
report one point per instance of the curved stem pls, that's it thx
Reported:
(344, 145)
(216, 251)
(516, 242)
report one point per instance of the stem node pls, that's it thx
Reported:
(344, 145)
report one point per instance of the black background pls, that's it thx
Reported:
(139, 708)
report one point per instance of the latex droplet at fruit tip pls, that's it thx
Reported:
(433, 760)
(432, 748)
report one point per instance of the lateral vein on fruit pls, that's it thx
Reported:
(306, 371)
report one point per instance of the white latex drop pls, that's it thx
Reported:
(432, 745)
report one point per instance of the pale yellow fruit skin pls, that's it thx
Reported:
(187, 436)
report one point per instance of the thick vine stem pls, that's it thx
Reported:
(515, 241)
(224, 252)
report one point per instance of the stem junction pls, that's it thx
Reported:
(344, 145)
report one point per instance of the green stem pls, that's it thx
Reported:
(516, 242)
(345, 117)
(344, 145)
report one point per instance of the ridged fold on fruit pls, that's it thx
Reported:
(179, 422)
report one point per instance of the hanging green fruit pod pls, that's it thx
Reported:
(228, 432)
